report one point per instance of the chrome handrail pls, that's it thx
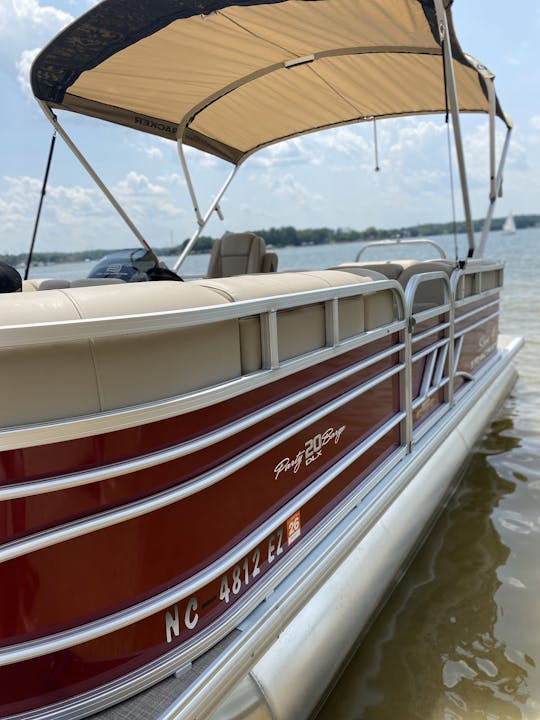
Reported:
(393, 242)
(28, 334)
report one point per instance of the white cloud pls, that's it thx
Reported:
(200, 158)
(172, 179)
(26, 24)
(138, 185)
(153, 147)
(344, 140)
(535, 122)
(24, 63)
(398, 143)
(22, 21)
(286, 187)
(79, 216)
(147, 201)
(16, 202)
(64, 206)
(153, 152)
(291, 152)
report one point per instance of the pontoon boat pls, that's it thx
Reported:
(208, 487)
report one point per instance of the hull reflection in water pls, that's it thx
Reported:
(443, 646)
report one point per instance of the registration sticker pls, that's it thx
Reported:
(294, 528)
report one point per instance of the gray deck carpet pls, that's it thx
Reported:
(148, 704)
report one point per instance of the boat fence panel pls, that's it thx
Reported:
(428, 298)
(477, 311)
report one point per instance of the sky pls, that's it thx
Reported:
(321, 180)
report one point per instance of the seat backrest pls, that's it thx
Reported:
(90, 282)
(237, 254)
(269, 262)
(431, 292)
(51, 284)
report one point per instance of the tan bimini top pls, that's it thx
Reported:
(230, 78)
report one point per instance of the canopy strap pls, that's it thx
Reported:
(377, 167)
(445, 81)
(43, 192)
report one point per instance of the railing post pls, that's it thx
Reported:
(406, 388)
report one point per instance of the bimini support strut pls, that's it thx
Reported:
(202, 221)
(454, 109)
(40, 206)
(495, 179)
(90, 170)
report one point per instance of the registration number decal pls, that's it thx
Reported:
(185, 615)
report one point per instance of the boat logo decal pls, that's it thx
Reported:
(155, 125)
(312, 450)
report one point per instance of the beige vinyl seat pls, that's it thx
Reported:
(61, 284)
(94, 282)
(302, 328)
(240, 254)
(387, 269)
(431, 292)
(98, 374)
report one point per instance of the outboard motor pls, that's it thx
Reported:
(128, 265)
(132, 265)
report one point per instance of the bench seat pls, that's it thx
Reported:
(72, 378)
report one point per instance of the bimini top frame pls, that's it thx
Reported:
(230, 78)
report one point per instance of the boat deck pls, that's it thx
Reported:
(150, 703)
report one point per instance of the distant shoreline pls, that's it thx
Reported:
(286, 237)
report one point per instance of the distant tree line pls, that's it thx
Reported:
(287, 236)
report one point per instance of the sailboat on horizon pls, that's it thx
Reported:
(509, 226)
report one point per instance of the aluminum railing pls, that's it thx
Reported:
(442, 357)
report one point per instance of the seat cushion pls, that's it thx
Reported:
(236, 254)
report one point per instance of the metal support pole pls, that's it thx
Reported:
(90, 170)
(493, 198)
(454, 109)
(492, 170)
(189, 182)
(204, 220)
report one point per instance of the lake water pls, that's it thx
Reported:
(459, 639)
